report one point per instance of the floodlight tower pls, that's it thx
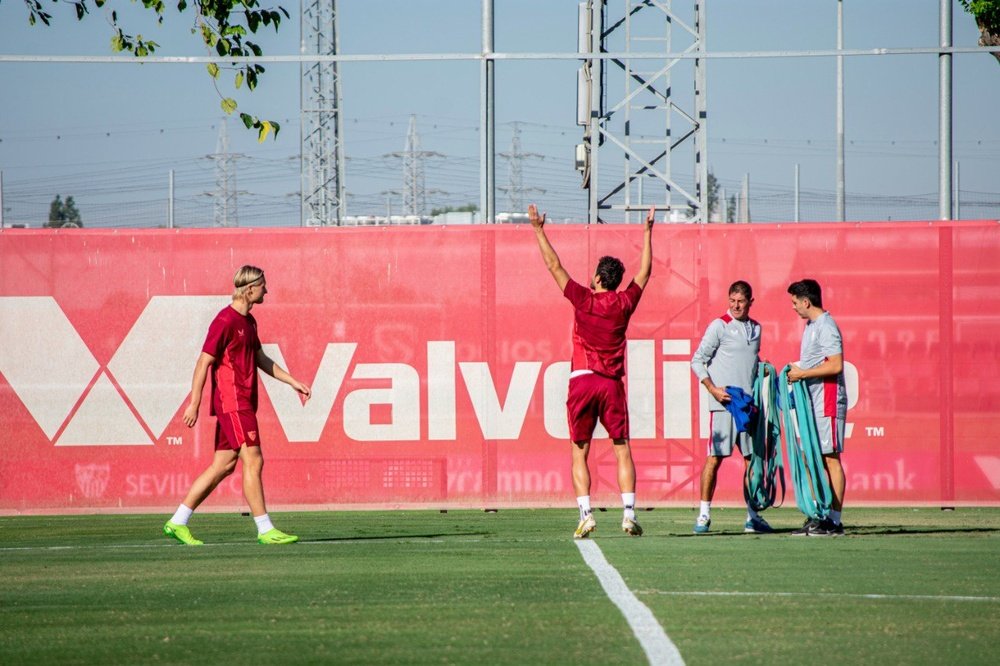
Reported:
(323, 200)
(638, 131)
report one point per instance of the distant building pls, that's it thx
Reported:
(512, 218)
(455, 217)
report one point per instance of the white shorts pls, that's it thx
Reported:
(831, 434)
(724, 437)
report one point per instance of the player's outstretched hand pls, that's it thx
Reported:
(651, 217)
(536, 221)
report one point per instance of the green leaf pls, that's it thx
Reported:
(222, 47)
(228, 105)
(213, 70)
(181, 5)
(239, 79)
(277, 128)
(265, 128)
(248, 120)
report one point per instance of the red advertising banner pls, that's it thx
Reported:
(438, 359)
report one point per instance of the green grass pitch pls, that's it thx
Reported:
(913, 586)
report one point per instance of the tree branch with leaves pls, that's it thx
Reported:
(987, 15)
(223, 25)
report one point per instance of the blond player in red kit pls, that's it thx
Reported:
(233, 353)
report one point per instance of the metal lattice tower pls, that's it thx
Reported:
(647, 127)
(225, 208)
(323, 200)
(414, 192)
(516, 189)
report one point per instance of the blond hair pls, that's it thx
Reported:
(245, 278)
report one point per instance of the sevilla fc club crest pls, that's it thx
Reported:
(252, 435)
(92, 479)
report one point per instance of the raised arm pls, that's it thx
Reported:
(646, 264)
(265, 363)
(549, 255)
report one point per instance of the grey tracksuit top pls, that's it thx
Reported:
(728, 353)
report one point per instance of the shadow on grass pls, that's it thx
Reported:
(857, 530)
(894, 530)
(396, 537)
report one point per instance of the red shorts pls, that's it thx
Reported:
(235, 430)
(591, 397)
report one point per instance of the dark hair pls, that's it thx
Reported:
(741, 287)
(807, 288)
(610, 270)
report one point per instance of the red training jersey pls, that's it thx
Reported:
(599, 326)
(232, 340)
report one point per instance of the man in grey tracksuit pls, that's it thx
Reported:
(727, 356)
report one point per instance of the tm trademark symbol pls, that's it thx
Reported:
(174, 441)
(875, 431)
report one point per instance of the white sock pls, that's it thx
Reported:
(628, 500)
(182, 515)
(706, 509)
(263, 523)
(835, 516)
(584, 503)
(751, 514)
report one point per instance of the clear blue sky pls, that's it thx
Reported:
(109, 133)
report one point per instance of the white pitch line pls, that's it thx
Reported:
(657, 645)
(828, 595)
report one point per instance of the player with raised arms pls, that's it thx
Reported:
(596, 387)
